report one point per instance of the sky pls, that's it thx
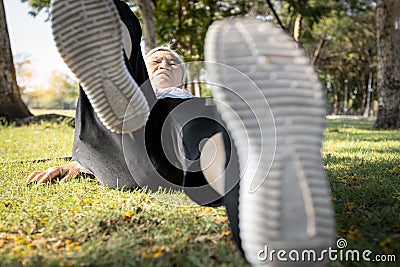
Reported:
(31, 36)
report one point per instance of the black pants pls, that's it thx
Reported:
(165, 152)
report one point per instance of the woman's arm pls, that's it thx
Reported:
(65, 173)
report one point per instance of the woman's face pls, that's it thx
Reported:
(164, 70)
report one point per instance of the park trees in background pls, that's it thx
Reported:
(24, 72)
(184, 23)
(61, 92)
(347, 61)
(340, 36)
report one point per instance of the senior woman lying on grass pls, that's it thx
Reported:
(222, 153)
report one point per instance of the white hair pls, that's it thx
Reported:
(174, 53)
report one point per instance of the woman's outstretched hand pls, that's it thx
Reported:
(65, 173)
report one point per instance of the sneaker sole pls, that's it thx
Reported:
(284, 198)
(89, 38)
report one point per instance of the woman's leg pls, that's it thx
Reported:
(274, 107)
(172, 140)
(212, 162)
(95, 146)
(88, 38)
(128, 160)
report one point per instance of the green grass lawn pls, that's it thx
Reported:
(81, 223)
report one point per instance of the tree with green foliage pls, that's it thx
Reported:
(184, 23)
(349, 54)
(37, 6)
(338, 35)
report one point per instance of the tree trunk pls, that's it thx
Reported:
(297, 27)
(364, 91)
(148, 24)
(11, 105)
(271, 6)
(318, 51)
(388, 35)
(335, 102)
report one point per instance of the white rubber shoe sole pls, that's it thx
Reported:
(284, 197)
(88, 36)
